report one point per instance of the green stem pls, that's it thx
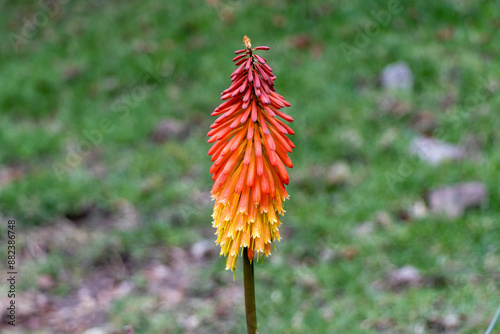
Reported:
(493, 322)
(249, 286)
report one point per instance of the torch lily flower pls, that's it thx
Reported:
(250, 155)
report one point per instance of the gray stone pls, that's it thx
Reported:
(397, 76)
(454, 200)
(405, 276)
(435, 151)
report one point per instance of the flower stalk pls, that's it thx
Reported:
(249, 287)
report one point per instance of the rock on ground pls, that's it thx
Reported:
(397, 76)
(435, 151)
(455, 199)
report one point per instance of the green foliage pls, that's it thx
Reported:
(81, 98)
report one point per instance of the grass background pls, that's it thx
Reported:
(111, 71)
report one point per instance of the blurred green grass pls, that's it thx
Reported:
(132, 64)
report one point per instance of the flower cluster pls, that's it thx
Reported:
(249, 152)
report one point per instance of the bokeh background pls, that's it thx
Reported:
(104, 110)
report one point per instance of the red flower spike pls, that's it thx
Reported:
(249, 155)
